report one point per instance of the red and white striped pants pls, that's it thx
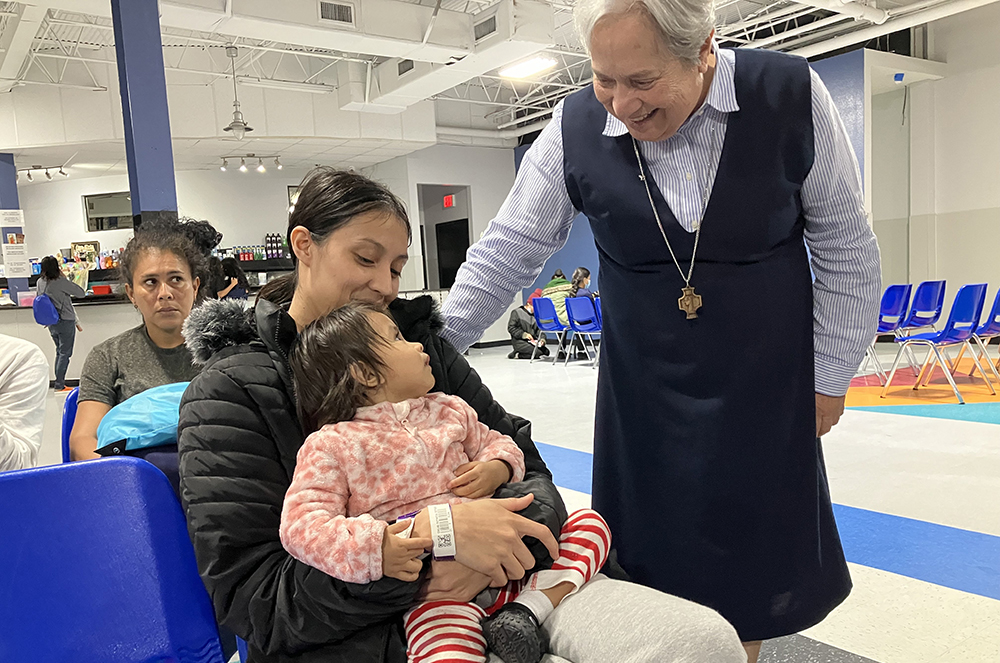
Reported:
(449, 631)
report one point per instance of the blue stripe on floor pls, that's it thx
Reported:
(986, 413)
(947, 556)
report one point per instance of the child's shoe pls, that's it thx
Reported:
(513, 634)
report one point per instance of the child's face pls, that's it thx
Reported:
(408, 370)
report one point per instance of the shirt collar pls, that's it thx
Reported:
(721, 94)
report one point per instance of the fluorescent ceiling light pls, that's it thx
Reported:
(316, 88)
(527, 68)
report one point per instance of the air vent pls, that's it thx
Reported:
(485, 29)
(337, 12)
(404, 66)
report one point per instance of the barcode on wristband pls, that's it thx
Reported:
(442, 531)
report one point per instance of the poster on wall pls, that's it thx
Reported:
(15, 260)
(11, 217)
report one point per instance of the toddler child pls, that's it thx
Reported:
(382, 448)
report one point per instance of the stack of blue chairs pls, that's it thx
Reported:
(584, 321)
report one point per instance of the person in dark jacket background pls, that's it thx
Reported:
(524, 332)
(239, 436)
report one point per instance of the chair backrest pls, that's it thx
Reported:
(895, 303)
(68, 417)
(928, 301)
(991, 327)
(965, 314)
(99, 567)
(582, 315)
(600, 315)
(545, 315)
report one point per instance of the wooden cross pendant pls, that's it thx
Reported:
(689, 302)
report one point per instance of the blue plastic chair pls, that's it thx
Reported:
(68, 417)
(928, 302)
(548, 323)
(963, 321)
(583, 320)
(895, 302)
(99, 567)
(988, 331)
(600, 315)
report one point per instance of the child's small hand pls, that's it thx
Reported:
(479, 479)
(400, 557)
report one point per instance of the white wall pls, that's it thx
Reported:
(242, 206)
(955, 147)
(433, 212)
(889, 161)
(489, 174)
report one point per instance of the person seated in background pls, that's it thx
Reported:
(24, 383)
(580, 283)
(163, 267)
(60, 289)
(524, 332)
(234, 284)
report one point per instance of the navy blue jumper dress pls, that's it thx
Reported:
(706, 462)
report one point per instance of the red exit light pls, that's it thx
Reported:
(449, 201)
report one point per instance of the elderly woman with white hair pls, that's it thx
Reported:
(705, 174)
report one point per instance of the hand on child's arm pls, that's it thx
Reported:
(480, 479)
(401, 557)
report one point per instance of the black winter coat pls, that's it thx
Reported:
(238, 439)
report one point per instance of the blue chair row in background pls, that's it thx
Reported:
(585, 320)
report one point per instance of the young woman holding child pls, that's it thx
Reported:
(239, 437)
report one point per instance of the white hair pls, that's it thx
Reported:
(684, 25)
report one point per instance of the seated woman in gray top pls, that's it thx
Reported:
(163, 267)
(60, 289)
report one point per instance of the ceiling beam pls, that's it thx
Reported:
(16, 42)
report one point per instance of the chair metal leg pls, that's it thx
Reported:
(975, 359)
(926, 370)
(961, 353)
(871, 356)
(895, 365)
(947, 374)
(561, 339)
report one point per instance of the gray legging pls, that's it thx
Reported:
(63, 335)
(611, 620)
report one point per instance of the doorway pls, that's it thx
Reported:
(446, 229)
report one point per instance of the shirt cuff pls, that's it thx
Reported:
(832, 377)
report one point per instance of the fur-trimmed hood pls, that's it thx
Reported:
(219, 324)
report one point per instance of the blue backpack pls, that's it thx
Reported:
(148, 419)
(44, 310)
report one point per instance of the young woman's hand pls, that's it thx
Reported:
(479, 479)
(451, 581)
(488, 537)
(401, 557)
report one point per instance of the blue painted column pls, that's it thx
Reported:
(144, 108)
(9, 200)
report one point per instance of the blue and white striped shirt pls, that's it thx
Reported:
(535, 220)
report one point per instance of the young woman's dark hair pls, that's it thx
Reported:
(335, 364)
(191, 241)
(50, 268)
(231, 270)
(579, 276)
(328, 200)
(558, 275)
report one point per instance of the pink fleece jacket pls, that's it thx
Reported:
(391, 459)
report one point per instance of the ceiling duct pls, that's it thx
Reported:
(513, 31)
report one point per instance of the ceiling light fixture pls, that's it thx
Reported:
(527, 68)
(225, 163)
(243, 165)
(238, 126)
(48, 175)
(277, 163)
(30, 178)
(260, 166)
(63, 172)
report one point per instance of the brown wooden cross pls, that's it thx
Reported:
(689, 302)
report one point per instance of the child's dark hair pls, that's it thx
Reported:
(50, 268)
(191, 241)
(558, 275)
(335, 365)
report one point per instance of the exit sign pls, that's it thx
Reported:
(449, 201)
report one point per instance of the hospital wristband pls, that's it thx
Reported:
(442, 531)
